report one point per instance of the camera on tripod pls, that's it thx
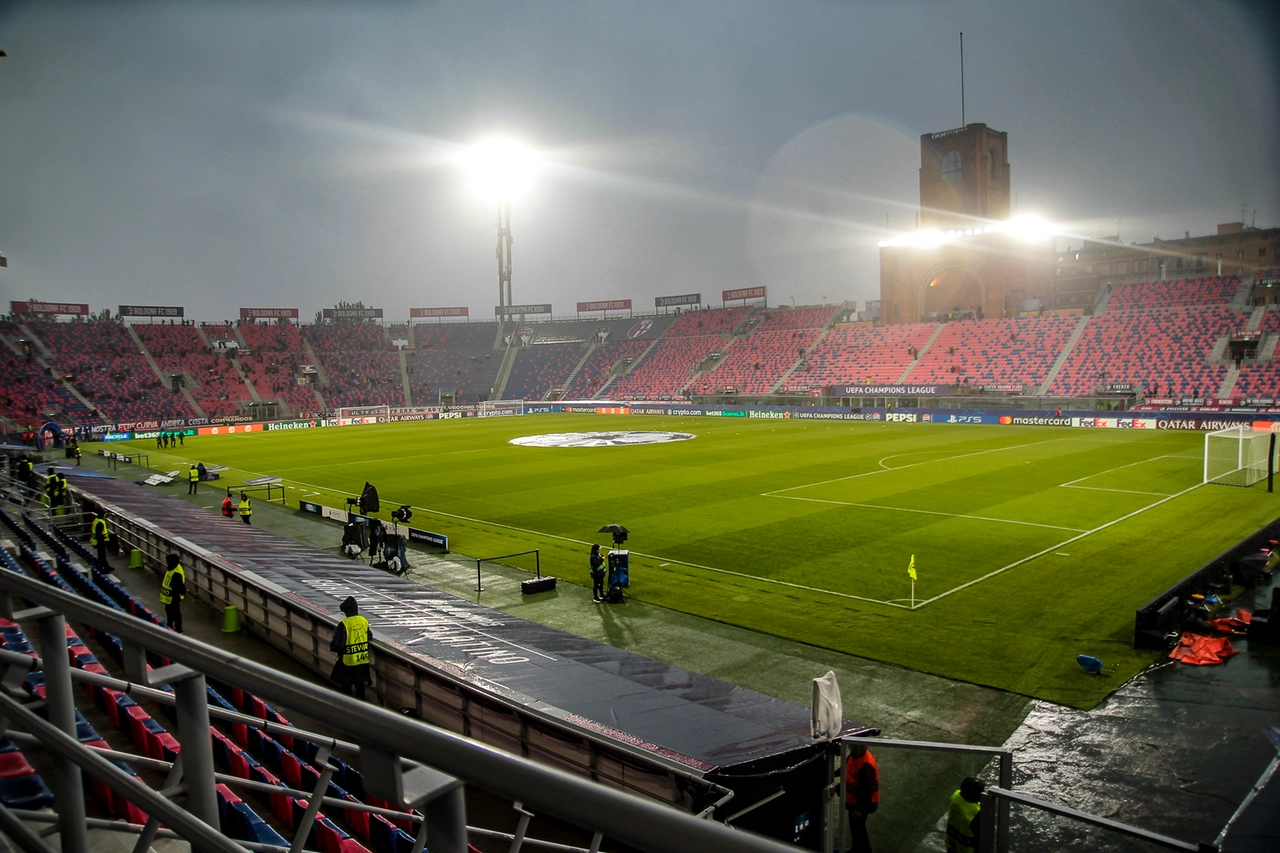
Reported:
(402, 515)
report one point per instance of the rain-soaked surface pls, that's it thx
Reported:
(1174, 751)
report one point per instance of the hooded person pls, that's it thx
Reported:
(351, 642)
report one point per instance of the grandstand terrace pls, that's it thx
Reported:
(857, 353)
(104, 364)
(453, 358)
(1017, 351)
(273, 363)
(360, 364)
(541, 368)
(1216, 290)
(594, 372)
(758, 360)
(213, 381)
(1163, 350)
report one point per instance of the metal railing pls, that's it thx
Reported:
(987, 832)
(1001, 837)
(405, 762)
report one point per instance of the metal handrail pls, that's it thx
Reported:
(987, 833)
(1006, 775)
(639, 823)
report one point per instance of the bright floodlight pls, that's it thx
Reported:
(501, 170)
(1029, 228)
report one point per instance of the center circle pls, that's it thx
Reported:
(629, 438)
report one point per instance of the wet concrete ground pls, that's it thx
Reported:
(1174, 751)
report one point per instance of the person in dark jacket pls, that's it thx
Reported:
(597, 574)
(351, 642)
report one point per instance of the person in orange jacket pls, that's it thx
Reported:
(861, 794)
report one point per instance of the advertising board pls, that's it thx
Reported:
(352, 313)
(743, 293)
(152, 311)
(605, 305)
(35, 307)
(674, 301)
(268, 313)
(439, 312)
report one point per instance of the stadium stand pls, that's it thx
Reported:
(273, 363)
(688, 341)
(755, 363)
(1165, 348)
(453, 358)
(1216, 290)
(30, 393)
(540, 368)
(214, 382)
(104, 364)
(851, 354)
(595, 370)
(1003, 351)
(361, 366)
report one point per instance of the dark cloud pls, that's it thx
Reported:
(225, 154)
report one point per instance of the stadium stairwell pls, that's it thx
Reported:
(404, 377)
(1062, 356)
(915, 362)
(781, 383)
(504, 372)
(634, 364)
(146, 353)
(573, 374)
(311, 354)
(253, 392)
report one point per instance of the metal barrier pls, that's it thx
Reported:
(1001, 837)
(537, 559)
(405, 762)
(987, 833)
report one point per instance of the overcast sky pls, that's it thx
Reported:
(225, 154)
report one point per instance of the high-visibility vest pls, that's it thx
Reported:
(356, 651)
(62, 485)
(960, 815)
(193, 475)
(227, 507)
(98, 533)
(851, 772)
(166, 585)
(245, 507)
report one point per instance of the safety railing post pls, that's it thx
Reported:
(68, 787)
(986, 826)
(192, 704)
(1006, 782)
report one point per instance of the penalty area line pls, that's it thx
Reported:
(1053, 548)
(928, 512)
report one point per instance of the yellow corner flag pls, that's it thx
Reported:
(911, 569)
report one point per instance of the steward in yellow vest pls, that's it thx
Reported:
(99, 537)
(351, 642)
(245, 509)
(193, 481)
(172, 590)
(963, 817)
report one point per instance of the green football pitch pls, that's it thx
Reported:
(1032, 545)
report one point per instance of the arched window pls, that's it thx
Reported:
(951, 168)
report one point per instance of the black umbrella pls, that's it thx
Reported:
(619, 532)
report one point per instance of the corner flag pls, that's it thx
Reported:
(911, 569)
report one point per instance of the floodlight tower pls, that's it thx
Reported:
(504, 255)
(501, 171)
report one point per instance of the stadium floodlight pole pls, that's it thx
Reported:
(501, 170)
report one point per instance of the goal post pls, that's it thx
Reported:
(1236, 457)
(501, 408)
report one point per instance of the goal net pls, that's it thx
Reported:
(363, 414)
(501, 408)
(1236, 457)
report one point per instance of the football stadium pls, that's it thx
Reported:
(908, 517)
